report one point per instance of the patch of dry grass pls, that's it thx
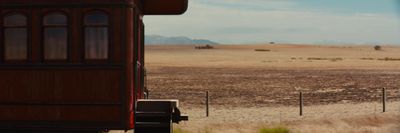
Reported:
(364, 124)
(179, 130)
(330, 59)
(355, 124)
(367, 58)
(274, 130)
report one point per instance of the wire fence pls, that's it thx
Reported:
(304, 99)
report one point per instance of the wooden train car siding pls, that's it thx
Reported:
(65, 95)
(60, 86)
(77, 93)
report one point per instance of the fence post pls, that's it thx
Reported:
(301, 103)
(207, 103)
(383, 99)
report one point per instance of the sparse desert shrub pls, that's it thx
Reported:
(204, 47)
(336, 59)
(262, 50)
(274, 130)
(315, 58)
(389, 59)
(330, 59)
(378, 48)
(367, 58)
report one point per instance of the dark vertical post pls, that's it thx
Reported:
(301, 103)
(384, 99)
(207, 103)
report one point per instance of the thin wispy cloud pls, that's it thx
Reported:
(300, 21)
(249, 5)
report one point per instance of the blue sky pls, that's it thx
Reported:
(286, 21)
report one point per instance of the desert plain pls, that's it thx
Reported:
(256, 86)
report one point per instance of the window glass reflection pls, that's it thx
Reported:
(55, 44)
(15, 20)
(15, 40)
(96, 36)
(55, 19)
(15, 37)
(96, 40)
(55, 36)
(96, 18)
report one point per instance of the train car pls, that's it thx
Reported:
(78, 66)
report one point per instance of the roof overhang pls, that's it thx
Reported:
(164, 7)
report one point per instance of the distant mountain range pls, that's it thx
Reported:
(157, 40)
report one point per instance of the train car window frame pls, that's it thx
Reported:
(105, 25)
(57, 27)
(22, 26)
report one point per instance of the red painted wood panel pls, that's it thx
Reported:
(36, 38)
(116, 37)
(61, 113)
(76, 35)
(129, 69)
(23, 92)
(63, 86)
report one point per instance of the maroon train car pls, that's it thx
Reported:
(78, 66)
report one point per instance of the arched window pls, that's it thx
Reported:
(55, 36)
(96, 35)
(15, 37)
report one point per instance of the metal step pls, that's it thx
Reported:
(152, 124)
(153, 114)
(156, 105)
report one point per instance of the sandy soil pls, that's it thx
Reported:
(279, 57)
(360, 117)
(251, 89)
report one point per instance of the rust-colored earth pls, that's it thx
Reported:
(258, 87)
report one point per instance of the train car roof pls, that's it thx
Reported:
(148, 7)
(63, 1)
(164, 7)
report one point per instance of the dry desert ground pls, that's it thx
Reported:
(255, 86)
